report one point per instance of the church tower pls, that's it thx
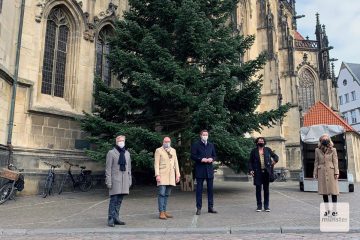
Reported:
(297, 71)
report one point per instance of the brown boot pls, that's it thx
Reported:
(162, 216)
(168, 215)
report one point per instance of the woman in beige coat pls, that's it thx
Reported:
(167, 174)
(326, 169)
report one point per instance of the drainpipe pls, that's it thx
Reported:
(16, 75)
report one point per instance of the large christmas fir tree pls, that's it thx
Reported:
(178, 65)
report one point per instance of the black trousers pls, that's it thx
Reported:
(333, 198)
(210, 192)
(114, 206)
(265, 185)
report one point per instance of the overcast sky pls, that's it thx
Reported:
(342, 21)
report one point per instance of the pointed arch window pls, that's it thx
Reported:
(55, 55)
(102, 51)
(306, 89)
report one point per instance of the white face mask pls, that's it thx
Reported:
(167, 145)
(204, 138)
(121, 144)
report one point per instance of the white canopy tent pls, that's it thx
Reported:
(312, 134)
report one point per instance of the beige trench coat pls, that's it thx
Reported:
(325, 167)
(165, 167)
(118, 182)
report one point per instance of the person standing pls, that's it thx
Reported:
(118, 179)
(326, 169)
(167, 174)
(203, 153)
(261, 162)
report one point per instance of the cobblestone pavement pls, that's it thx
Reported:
(235, 201)
(269, 236)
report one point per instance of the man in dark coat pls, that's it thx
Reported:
(261, 162)
(203, 153)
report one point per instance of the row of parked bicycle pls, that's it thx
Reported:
(14, 180)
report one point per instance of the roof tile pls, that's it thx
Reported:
(322, 114)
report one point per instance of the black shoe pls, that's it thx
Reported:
(211, 210)
(258, 209)
(118, 222)
(111, 223)
(198, 211)
(267, 209)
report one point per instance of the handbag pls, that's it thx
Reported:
(272, 175)
(20, 183)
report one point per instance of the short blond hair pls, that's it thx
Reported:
(331, 144)
(120, 136)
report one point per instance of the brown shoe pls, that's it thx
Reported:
(162, 216)
(168, 215)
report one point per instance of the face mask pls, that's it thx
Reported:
(261, 144)
(121, 144)
(325, 142)
(166, 145)
(204, 138)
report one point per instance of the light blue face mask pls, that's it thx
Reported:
(166, 145)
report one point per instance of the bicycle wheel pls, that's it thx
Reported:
(62, 184)
(6, 191)
(85, 183)
(48, 186)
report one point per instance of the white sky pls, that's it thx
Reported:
(342, 21)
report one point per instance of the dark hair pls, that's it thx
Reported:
(257, 140)
(204, 130)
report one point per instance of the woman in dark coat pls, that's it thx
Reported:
(262, 159)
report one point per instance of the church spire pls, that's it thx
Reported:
(318, 26)
(323, 48)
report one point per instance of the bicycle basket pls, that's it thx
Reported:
(8, 174)
(87, 172)
(19, 184)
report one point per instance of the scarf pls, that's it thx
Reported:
(122, 160)
(167, 150)
(325, 149)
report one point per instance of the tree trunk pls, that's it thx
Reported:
(186, 166)
(187, 183)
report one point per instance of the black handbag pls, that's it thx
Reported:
(272, 175)
(20, 183)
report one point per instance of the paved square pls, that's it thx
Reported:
(85, 214)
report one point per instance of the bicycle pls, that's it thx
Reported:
(15, 183)
(50, 180)
(83, 181)
(280, 175)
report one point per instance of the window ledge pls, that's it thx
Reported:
(54, 111)
(54, 106)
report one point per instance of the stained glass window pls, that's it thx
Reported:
(306, 89)
(102, 51)
(56, 46)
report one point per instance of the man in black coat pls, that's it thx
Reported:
(203, 153)
(261, 162)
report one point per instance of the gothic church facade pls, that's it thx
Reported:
(64, 45)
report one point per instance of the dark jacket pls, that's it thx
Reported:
(199, 151)
(254, 163)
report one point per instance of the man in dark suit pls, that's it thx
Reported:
(203, 153)
(261, 162)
